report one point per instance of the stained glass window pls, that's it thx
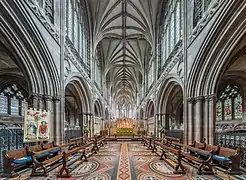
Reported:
(219, 111)
(3, 104)
(238, 109)
(228, 109)
(229, 105)
(172, 27)
(14, 106)
(23, 107)
(172, 31)
(177, 23)
(70, 20)
(11, 100)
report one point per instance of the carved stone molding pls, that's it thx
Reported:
(205, 19)
(47, 97)
(191, 100)
(44, 19)
(211, 97)
(56, 98)
(199, 98)
(71, 56)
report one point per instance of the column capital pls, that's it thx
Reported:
(211, 97)
(191, 99)
(56, 98)
(47, 97)
(34, 95)
(199, 98)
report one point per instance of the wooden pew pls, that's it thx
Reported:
(14, 160)
(78, 141)
(228, 158)
(148, 141)
(166, 150)
(52, 162)
(167, 140)
(68, 159)
(204, 166)
(51, 145)
(100, 141)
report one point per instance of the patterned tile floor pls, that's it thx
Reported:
(128, 161)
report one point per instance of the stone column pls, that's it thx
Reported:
(198, 118)
(190, 122)
(92, 124)
(49, 107)
(206, 119)
(59, 131)
(211, 119)
(34, 101)
(40, 102)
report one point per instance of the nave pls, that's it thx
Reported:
(127, 160)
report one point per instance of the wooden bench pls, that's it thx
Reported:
(148, 141)
(204, 165)
(69, 158)
(168, 140)
(15, 160)
(100, 141)
(51, 162)
(228, 158)
(78, 141)
(51, 145)
(175, 162)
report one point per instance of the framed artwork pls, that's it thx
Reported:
(36, 125)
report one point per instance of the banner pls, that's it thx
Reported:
(36, 125)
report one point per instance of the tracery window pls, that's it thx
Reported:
(12, 101)
(75, 29)
(200, 7)
(173, 28)
(229, 104)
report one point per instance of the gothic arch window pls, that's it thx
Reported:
(172, 28)
(229, 104)
(75, 29)
(200, 7)
(12, 101)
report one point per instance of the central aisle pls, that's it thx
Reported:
(125, 161)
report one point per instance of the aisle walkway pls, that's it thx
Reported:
(128, 161)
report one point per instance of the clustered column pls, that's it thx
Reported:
(201, 119)
(52, 104)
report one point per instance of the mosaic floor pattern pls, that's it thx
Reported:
(128, 161)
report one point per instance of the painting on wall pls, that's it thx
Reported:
(36, 125)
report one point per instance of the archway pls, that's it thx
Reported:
(98, 117)
(218, 64)
(170, 108)
(150, 118)
(77, 106)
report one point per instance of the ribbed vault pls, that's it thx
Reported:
(125, 32)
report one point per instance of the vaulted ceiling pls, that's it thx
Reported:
(124, 31)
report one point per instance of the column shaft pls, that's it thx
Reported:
(205, 119)
(190, 122)
(198, 121)
(212, 118)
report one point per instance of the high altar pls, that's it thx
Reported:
(124, 126)
(124, 123)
